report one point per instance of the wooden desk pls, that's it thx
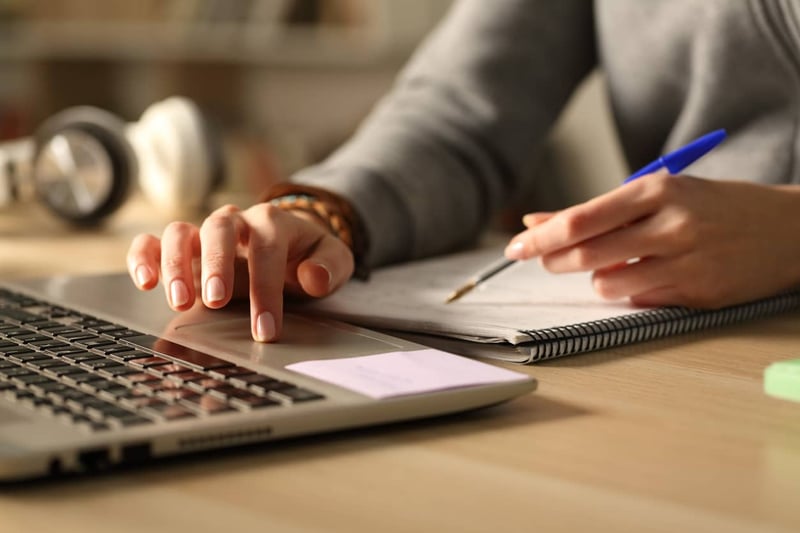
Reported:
(672, 435)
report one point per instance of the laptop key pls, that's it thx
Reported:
(46, 387)
(117, 371)
(206, 404)
(166, 370)
(122, 333)
(147, 362)
(114, 347)
(7, 385)
(157, 385)
(137, 402)
(34, 402)
(81, 356)
(76, 335)
(32, 337)
(77, 378)
(128, 421)
(107, 328)
(226, 391)
(28, 357)
(173, 395)
(40, 364)
(245, 380)
(229, 372)
(203, 385)
(17, 331)
(18, 349)
(113, 393)
(93, 342)
(251, 401)
(107, 411)
(17, 315)
(266, 387)
(192, 358)
(100, 362)
(18, 394)
(66, 350)
(92, 323)
(8, 373)
(186, 377)
(48, 343)
(129, 354)
(29, 379)
(138, 377)
(295, 395)
(168, 411)
(96, 384)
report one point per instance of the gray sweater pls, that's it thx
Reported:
(455, 138)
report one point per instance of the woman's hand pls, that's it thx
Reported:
(259, 252)
(674, 240)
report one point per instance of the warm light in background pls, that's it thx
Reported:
(284, 80)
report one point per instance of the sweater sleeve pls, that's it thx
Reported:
(455, 136)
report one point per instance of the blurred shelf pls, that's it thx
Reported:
(217, 42)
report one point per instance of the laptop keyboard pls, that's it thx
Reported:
(98, 375)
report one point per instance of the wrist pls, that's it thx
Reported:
(328, 209)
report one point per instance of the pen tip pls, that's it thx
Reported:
(461, 291)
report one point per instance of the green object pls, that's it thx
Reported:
(782, 380)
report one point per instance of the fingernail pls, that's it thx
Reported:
(528, 221)
(515, 251)
(330, 275)
(265, 327)
(178, 293)
(143, 276)
(215, 289)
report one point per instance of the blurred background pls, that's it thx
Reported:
(284, 80)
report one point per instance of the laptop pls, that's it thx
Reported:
(95, 374)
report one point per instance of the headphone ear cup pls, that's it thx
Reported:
(177, 162)
(108, 131)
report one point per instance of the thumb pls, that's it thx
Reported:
(326, 268)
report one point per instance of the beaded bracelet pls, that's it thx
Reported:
(333, 211)
(318, 208)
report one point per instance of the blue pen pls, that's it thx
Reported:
(674, 162)
(681, 158)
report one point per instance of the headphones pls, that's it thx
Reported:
(83, 161)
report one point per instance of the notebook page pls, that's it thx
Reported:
(411, 297)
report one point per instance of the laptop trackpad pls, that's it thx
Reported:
(302, 338)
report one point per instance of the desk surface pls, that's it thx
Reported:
(671, 435)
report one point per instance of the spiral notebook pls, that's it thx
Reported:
(542, 315)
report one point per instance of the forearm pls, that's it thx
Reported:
(455, 137)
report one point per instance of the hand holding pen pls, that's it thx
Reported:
(674, 239)
(602, 234)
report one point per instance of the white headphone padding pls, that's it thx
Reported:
(175, 169)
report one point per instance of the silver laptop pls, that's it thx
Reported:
(94, 374)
